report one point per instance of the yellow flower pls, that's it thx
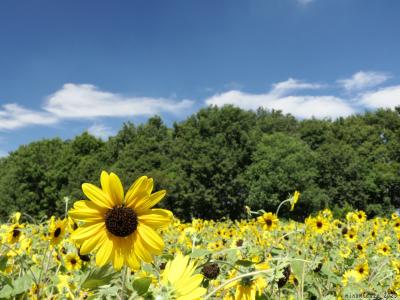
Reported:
(351, 276)
(269, 221)
(394, 216)
(383, 249)
(318, 224)
(294, 199)
(360, 216)
(14, 233)
(56, 230)
(362, 269)
(120, 227)
(178, 274)
(72, 262)
(248, 287)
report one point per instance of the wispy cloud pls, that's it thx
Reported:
(363, 80)
(13, 116)
(387, 97)
(299, 106)
(100, 131)
(291, 85)
(87, 101)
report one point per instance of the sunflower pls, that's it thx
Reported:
(57, 230)
(178, 275)
(351, 234)
(383, 249)
(269, 221)
(318, 224)
(248, 287)
(360, 216)
(120, 227)
(351, 276)
(294, 199)
(362, 269)
(396, 224)
(72, 262)
(14, 233)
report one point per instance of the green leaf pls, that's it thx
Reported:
(22, 284)
(244, 263)
(141, 285)
(199, 253)
(297, 268)
(3, 262)
(98, 277)
(6, 292)
(167, 256)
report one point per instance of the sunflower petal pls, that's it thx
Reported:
(105, 182)
(116, 189)
(156, 217)
(91, 243)
(151, 239)
(85, 232)
(103, 255)
(149, 201)
(136, 188)
(98, 196)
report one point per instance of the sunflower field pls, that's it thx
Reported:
(115, 245)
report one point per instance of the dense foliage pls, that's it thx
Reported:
(218, 160)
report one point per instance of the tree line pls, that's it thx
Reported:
(217, 161)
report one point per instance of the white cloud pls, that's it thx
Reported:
(100, 131)
(362, 80)
(13, 116)
(87, 101)
(290, 85)
(299, 106)
(387, 97)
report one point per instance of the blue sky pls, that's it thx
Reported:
(71, 66)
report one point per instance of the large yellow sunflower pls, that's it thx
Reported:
(120, 227)
(179, 275)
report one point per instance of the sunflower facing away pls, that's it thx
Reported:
(121, 227)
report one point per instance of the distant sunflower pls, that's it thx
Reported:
(14, 233)
(318, 224)
(360, 216)
(268, 220)
(351, 276)
(396, 224)
(120, 228)
(57, 230)
(72, 262)
(294, 200)
(362, 269)
(383, 249)
(179, 276)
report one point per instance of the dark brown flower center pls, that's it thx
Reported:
(57, 232)
(319, 224)
(361, 270)
(121, 221)
(268, 222)
(73, 261)
(16, 233)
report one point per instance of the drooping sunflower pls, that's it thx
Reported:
(294, 200)
(179, 276)
(268, 220)
(121, 227)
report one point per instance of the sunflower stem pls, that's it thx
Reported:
(279, 207)
(123, 279)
